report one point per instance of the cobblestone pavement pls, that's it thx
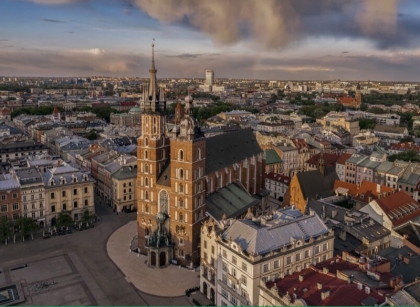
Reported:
(75, 269)
(169, 281)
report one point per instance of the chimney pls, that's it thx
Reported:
(318, 285)
(301, 277)
(325, 294)
(378, 188)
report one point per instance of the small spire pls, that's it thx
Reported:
(153, 53)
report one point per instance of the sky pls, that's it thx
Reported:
(249, 39)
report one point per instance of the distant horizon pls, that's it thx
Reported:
(242, 39)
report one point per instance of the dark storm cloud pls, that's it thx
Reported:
(52, 20)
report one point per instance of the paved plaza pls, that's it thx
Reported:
(75, 269)
(169, 281)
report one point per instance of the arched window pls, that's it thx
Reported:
(181, 188)
(146, 168)
(146, 156)
(146, 195)
(154, 124)
(146, 231)
(180, 202)
(181, 217)
(199, 153)
(163, 201)
(146, 142)
(181, 241)
(181, 155)
(181, 173)
(146, 182)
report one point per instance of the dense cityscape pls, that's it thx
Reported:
(208, 190)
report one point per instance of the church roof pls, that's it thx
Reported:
(231, 200)
(313, 184)
(229, 148)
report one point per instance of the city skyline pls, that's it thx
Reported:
(346, 40)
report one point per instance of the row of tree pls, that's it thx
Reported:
(25, 226)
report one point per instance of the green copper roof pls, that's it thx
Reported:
(271, 157)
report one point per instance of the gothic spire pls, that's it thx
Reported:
(153, 81)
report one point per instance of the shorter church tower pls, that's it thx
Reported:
(358, 97)
(56, 116)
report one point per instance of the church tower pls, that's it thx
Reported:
(187, 209)
(152, 154)
(358, 97)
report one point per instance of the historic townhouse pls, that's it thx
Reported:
(67, 189)
(237, 254)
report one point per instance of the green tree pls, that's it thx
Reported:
(366, 123)
(87, 217)
(6, 230)
(64, 219)
(92, 135)
(410, 155)
(26, 227)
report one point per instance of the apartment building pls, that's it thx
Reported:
(67, 189)
(124, 182)
(237, 254)
(10, 198)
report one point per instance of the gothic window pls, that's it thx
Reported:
(146, 182)
(163, 201)
(146, 209)
(181, 173)
(146, 231)
(181, 188)
(181, 241)
(146, 142)
(181, 217)
(181, 155)
(180, 203)
(146, 168)
(146, 156)
(146, 195)
(154, 124)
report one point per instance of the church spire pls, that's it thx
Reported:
(153, 90)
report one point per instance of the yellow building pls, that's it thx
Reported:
(124, 188)
(67, 189)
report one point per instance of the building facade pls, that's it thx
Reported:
(237, 255)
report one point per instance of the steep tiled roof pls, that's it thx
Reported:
(399, 207)
(230, 148)
(313, 184)
(342, 159)
(330, 159)
(341, 293)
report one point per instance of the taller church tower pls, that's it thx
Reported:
(152, 153)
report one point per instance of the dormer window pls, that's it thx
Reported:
(52, 182)
(74, 179)
(85, 178)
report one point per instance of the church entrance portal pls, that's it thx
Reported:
(162, 259)
(153, 259)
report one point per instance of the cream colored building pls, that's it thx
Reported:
(124, 188)
(341, 120)
(237, 254)
(32, 194)
(67, 189)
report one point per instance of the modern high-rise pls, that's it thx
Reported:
(209, 77)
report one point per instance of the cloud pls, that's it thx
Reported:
(4, 40)
(398, 66)
(127, 12)
(56, 2)
(52, 20)
(96, 51)
(275, 24)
